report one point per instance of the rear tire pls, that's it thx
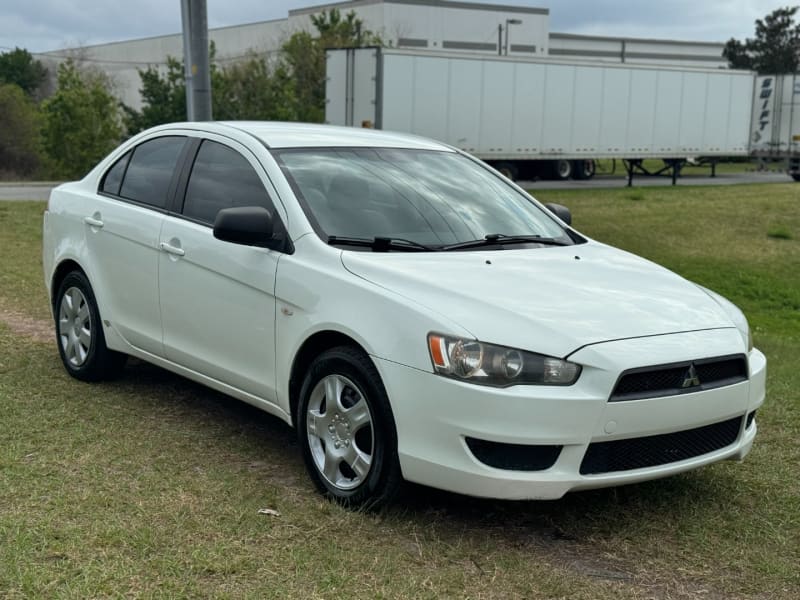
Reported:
(583, 169)
(508, 170)
(346, 430)
(79, 332)
(796, 176)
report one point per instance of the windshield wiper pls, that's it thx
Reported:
(501, 239)
(382, 244)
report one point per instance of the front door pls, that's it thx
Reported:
(218, 298)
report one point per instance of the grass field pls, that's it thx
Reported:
(151, 485)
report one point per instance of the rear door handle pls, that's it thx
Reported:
(171, 249)
(93, 222)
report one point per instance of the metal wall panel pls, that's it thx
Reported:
(615, 97)
(529, 93)
(691, 114)
(558, 102)
(496, 106)
(398, 83)
(587, 112)
(430, 102)
(336, 87)
(365, 73)
(669, 89)
(641, 112)
(464, 116)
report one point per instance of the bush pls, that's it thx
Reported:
(82, 121)
(19, 134)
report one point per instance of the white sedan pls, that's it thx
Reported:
(411, 312)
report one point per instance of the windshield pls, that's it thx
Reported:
(424, 197)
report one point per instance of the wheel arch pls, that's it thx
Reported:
(313, 346)
(64, 268)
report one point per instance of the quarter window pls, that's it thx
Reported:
(150, 171)
(222, 178)
(113, 177)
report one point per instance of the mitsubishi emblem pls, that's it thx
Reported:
(690, 379)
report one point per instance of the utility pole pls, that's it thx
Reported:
(187, 59)
(195, 60)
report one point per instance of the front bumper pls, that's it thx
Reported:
(435, 415)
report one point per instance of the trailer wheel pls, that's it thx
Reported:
(507, 170)
(562, 169)
(583, 169)
(795, 176)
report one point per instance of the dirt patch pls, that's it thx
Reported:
(36, 329)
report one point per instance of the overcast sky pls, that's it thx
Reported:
(40, 25)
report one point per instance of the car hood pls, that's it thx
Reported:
(551, 300)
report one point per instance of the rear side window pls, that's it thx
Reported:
(222, 178)
(113, 177)
(150, 171)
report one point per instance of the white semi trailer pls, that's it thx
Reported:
(525, 116)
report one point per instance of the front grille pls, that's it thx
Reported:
(514, 457)
(654, 450)
(678, 378)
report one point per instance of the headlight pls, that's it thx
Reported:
(734, 314)
(488, 364)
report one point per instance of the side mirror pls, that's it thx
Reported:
(245, 225)
(562, 212)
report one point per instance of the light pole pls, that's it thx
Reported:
(510, 22)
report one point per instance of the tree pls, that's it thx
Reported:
(304, 56)
(254, 90)
(19, 67)
(81, 121)
(163, 98)
(19, 133)
(775, 48)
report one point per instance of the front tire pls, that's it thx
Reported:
(79, 332)
(346, 430)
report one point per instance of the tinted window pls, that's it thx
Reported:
(113, 177)
(150, 171)
(221, 178)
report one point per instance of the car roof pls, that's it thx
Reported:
(305, 135)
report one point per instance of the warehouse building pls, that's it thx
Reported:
(435, 25)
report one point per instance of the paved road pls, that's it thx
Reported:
(26, 191)
(41, 191)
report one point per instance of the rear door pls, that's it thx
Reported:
(218, 298)
(123, 221)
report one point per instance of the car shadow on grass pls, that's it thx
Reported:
(631, 514)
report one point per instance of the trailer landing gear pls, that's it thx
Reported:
(635, 165)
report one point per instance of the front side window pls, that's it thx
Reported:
(150, 171)
(222, 178)
(433, 198)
